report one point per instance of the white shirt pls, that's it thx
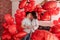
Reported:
(32, 24)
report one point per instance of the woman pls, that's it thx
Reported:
(30, 24)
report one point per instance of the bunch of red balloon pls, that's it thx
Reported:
(51, 9)
(27, 5)
(48, 9)
(43, 35)
(56, 28)
(10, 29)
(14, 31)
(19, 16)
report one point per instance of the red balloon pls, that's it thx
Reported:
(58, 8)
(39, 9)
(19, 28)
(49, 5)
(53, 11)
(5, 31)
(22, 4)
(30, 6)
(12, 29)
(16, 38)
(18, 21)
(6, 35)
(43, 35)
(18, 13)
(5, 25)
(58, 35)
(55, 29)
(32, 3)
(19, 16)
(21, 34)
(46, 16)
(8, 18)
(26, 8)
(39, 17)
(55, 22)
(23, 14)
(59, 20)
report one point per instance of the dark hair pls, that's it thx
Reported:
(27, 13)
(33, 14)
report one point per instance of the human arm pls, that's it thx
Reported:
(25, 24)
(35, 25)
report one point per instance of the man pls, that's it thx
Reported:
(30, 24)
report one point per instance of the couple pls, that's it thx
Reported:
(30, 24)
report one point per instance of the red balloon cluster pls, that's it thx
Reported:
(39, 11)
(50, 8)
(46, 16)
(8, 19)
(27, 6)
(6, 35)
(50, 5)
(19, 16)
(56, 28)
(11, 30)
(43, 35)
(22, 4)
(30, 6)
(54, 11)
(15, 31)
(56, 22)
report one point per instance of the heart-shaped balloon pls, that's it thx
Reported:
(49, 5)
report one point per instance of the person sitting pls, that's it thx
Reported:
(30, 24)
